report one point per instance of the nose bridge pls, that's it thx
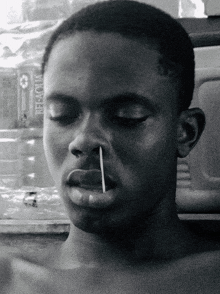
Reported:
(91, 128)
(89, 136)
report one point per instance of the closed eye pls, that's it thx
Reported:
(128, 122)
(63, 120)
(62, 113)
(129, 114)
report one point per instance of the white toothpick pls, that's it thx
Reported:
(102, 169)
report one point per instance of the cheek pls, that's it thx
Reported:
(55, 148)
(146, 155)
(149, 144)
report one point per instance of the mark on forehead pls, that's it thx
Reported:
(168, 68)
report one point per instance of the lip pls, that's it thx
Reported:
(89, 180)
(85, 189)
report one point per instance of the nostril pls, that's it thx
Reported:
(77, 152)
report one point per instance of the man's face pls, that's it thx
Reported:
(105, 90)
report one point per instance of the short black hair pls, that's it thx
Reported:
(143, 23)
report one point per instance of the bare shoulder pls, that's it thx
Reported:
(197, 273)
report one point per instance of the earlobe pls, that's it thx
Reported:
(190, 127)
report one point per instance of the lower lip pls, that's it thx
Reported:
(92, 199)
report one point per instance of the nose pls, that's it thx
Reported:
(88, 137)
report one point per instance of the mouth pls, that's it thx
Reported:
(85, 188)
(89, 180)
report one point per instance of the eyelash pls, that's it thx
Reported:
(128, 122)
(121, 121)
(62, 120)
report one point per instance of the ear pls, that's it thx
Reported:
(190, 127)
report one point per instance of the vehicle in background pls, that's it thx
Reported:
(22, 161)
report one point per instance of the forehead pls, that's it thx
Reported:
(104, 64)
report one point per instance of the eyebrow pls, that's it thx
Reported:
(129, 97)
(115, 100)
(59, 97)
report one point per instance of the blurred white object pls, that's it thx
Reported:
(191, 8)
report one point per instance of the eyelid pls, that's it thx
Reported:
(128, 122)
(61, 112)
(129, 113)
(62, 120)
(135, 111)
(56, 109)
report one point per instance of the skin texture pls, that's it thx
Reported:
(106, 90)
(136, 156)
(128, 239)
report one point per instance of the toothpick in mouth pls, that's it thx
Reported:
(102, 169)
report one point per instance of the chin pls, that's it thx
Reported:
(91, 226)
(108, 226)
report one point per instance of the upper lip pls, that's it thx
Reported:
(89, 179)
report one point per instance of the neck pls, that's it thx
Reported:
(161, 238)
